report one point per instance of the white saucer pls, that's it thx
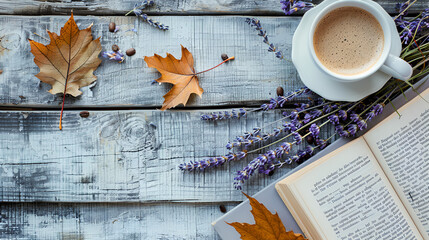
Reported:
(324, 84)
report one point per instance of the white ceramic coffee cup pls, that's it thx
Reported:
(387, 63)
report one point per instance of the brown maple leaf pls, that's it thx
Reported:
(68, 61)
(181, 74)
(267, 226)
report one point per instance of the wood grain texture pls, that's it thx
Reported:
(120, 156)
(177, 7)
(109, 221)
(251, 78)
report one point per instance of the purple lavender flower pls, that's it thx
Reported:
(328, 108)
(253, 22)
(309, 150)
(297, 123)
(408, 30)
(301, 153)
(289, 127)
(352, 129)
(335, 120)
(370, 115)
(139, 7)
(307, 118)
(321, 144)
(115, 56)
(339, 129)
(401, 8)
(234, 114)
(284, 148)
(354, 117)
(271, 154)
(293, 115)
(212, 162)
(342, 115)
(138, 11)
(277, 132)
(297, 137)
(315, 130)
(248, 171)
(291, 6)
(152, 22)
(378, 108)
(302, 106)
(362, 124)
(249, 139)
(316, 113)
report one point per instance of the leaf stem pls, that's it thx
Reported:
(231, 58)
(62, 109)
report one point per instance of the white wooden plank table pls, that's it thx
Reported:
(114, 174)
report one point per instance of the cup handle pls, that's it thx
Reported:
(397, 68)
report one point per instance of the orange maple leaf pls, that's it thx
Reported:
(267, 226)
(68, 62)
(181, 74)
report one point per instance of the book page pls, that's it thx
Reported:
(401, 144)
(347, 196)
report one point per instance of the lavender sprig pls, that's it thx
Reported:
(253, 22)
(153, 22)
(138, 11)
(139, 7)
(278, 102)
(291, 6)
(212, 162)
(410, 29)
(249, 139)
(234, 114)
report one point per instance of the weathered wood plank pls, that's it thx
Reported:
(120, 156)
(251, 78)
(115, 7)
(108, 221)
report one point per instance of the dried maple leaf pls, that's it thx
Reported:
(181, 74)
(267, 226)
(68, 61)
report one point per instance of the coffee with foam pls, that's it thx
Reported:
(348, 41)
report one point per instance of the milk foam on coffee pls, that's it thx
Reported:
(348, 40)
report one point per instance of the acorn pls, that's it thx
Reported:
(224, 56)
(280, 91)
(112, 27)
(222, 208)
(115, 48)
(130, 52)
(84, 114)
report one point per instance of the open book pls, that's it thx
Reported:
(375, 187)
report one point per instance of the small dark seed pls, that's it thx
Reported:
(84, 114)
(310, 139)
(115, 47)
(280, 91)
(112, 27)
(224, 56)
(130, 52)
(222, 208)
(22, 97)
